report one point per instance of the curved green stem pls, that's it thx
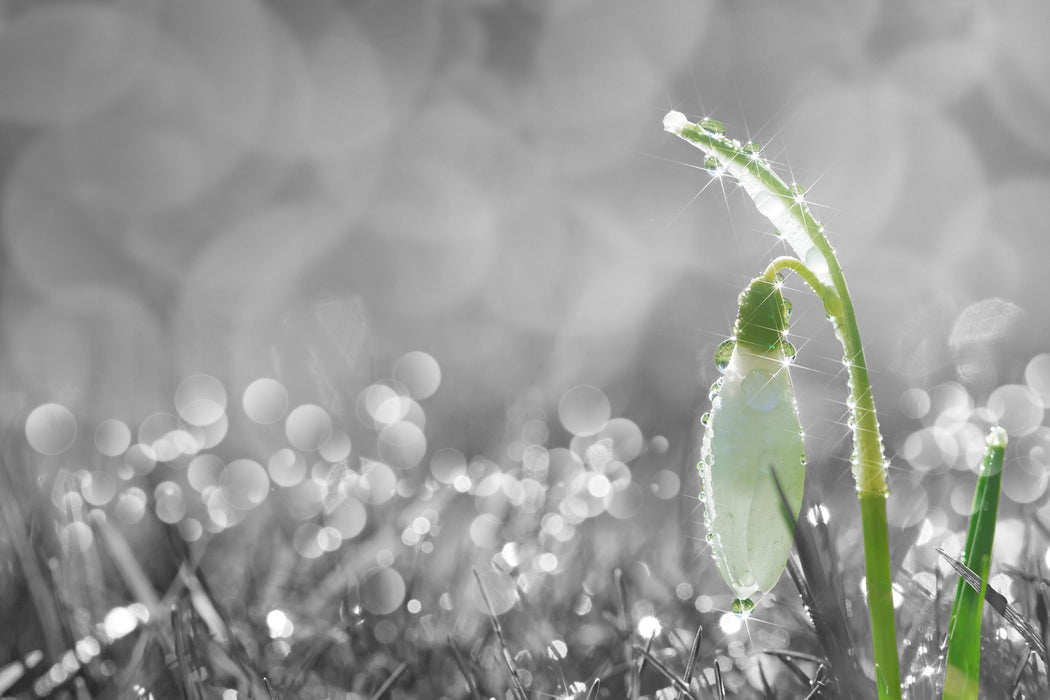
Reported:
(786, 208)
(826, 294)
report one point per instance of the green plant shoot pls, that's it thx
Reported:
(785, 206)
(962, 671)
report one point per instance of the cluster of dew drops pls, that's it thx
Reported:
(228, 490)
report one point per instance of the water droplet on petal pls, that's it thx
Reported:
(751, 147)
(816, 261)
(788, 349)
(743, 606)
(712, 165)
(723, 354)
(705, 419)
(787, 310)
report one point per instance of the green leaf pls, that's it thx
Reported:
(964, 631)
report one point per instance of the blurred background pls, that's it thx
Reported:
(365, 293)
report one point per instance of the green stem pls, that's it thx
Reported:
(786, 262)
(786, 208)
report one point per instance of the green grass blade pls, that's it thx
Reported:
(964, 631)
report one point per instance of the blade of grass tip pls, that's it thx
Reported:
(637, 666)
(677, 682)
(690, 664)
(720, 687)
(767, 692)
(820, 598)
(998, 603)
(592, 694)
(963, 666)
(270, 692)
(462, 663)
(788, 659)
(508, 658)
(389, 682)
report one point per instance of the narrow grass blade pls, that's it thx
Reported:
(998, 603)
(389, 682)
(464, 669)
(508, 658)
(39, 587)
(592, 694)
(822, 599)
(189, 672)
(690, 665)
(788, 659)
(720, 686)
(681, 685)
(1015, 678)
(638, 666)
(767, 692)
(964, 629)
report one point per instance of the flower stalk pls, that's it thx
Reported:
(785, 206)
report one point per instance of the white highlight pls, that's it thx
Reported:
(649, 627)
(674, 122)
(119, 622)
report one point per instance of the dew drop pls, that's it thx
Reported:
(723, 354)
(788, 349)
(112, 437)
(584, 410)
(675, 121)
(50, 429)
(715, 388)
(265, 401)
(244, 484)
(419, 373)
(763, 394)
(200, 399)
(705, 419)
(308, 427)
(743, 606)
(816, 261)
(787, 310)
(713, 126)
(712, 165)
(751, 148)
(797, 190)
